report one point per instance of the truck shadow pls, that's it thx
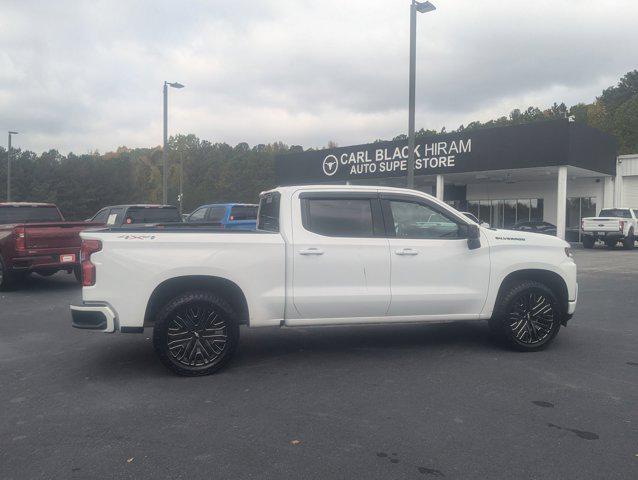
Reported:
(133, 355)
(34, 283)
(377, 340)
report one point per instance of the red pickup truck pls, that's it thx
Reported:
(35, 238)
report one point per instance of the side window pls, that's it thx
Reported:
(268, 216)
(217, 214)
(416, 220)
(198, 215)
(115, 216)
(339, 217)
(243, 212)
(101, 216)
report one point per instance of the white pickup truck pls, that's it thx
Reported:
(612, 225)
(323, 255)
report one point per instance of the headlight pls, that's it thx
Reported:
(569, 252)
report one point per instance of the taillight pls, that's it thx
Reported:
(622, 225)
(21, 239)
(88, 269)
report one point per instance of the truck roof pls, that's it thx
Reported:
(140, 205)
(367, 188)
(26, 204)
(229, 205)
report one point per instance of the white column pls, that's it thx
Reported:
(618, 191)
(440, 187)
(608, 193)
(561, 202)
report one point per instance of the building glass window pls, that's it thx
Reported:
(506, 213)
(577, 209)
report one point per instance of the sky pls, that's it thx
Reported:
(84, 76)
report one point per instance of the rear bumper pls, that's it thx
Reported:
(93, 317)
(51, 261)
(610, 234)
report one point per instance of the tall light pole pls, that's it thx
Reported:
(9, 167)
(165, 148)
(422, 7)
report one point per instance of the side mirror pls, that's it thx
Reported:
(485, 224)
(473, 237)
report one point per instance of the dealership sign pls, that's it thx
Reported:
(521, 146)
(389, 160)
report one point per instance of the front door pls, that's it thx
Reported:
(434, 272)
(341, 260)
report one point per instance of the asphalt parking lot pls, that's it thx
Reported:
(410, 401)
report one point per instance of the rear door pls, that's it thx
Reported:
(341, 260)
(434, 272)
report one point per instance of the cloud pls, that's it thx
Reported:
(88, 75)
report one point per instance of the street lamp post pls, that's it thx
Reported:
(165, 147)
(9, 167)
(422, 7)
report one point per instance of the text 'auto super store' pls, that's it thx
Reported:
(557, 171)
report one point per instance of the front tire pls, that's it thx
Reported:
(196, 334)
(611, 244)
(527, 317)
(588, 241)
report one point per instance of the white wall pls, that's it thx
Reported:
(626, 194)
(545, 189)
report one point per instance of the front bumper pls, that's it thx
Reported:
(571, 304)
(93, 317)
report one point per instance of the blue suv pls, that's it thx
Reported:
(231, 216)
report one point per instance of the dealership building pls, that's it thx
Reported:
(557, 171)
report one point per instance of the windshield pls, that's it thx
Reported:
(29, 214)
(152, 215)
(615, 212)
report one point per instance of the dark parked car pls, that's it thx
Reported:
(119, 215)
(35, 238)
(536, 226)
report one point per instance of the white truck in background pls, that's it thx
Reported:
(323, 255)
(611, 226)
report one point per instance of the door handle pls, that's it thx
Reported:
(406, 251)
(311, 251)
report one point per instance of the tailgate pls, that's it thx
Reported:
(601, 224)
(60, 235)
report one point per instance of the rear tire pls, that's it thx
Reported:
(7, 278)
(629, 241)
(77, 271)
(527, 316)
(588, 241)
(196, 333)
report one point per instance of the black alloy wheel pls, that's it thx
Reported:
(531, 318)
(527, 316)
(196, 334)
